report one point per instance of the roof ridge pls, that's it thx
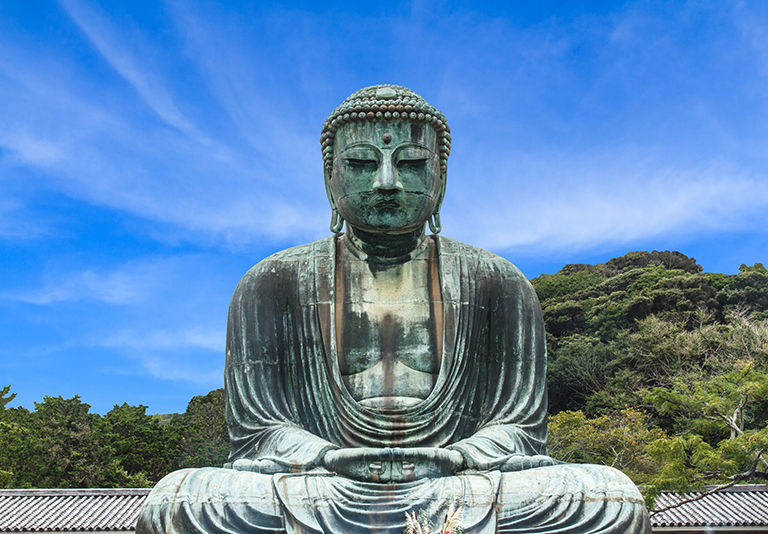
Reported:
(53, 492)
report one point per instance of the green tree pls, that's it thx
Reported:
(725, 410)
(10, 436)
(621, 440)
(65, 449)
(5, 397)
(144, 448)
(202, 431)
(578, 370)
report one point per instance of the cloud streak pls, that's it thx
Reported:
(107, 40)
(601, 205)
(199, 337)
(123, 285)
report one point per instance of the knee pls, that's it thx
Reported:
(569, 479)
(212, 484)
(190, 497)
(605, 479)
(172, 482)
(585, 498)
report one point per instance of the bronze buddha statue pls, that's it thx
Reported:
(384, 370)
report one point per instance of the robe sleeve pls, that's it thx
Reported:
(265, 330)
(516, 393)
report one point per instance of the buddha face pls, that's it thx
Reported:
(386, 175)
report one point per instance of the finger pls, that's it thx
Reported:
(457, 460)
(242, 465)
(267, 467)
(375, 455)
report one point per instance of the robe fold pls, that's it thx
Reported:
(286, 398)
(287, 404)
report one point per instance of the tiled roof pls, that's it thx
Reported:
(39, 510)
(738, 506)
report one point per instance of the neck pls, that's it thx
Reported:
(386, 245)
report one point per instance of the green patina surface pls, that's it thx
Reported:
(383, 370)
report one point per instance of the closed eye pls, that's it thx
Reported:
(362, 163)
(411, 163)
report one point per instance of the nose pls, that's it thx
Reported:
(386, 178)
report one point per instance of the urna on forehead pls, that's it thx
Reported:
(385, 103)
(387, 134)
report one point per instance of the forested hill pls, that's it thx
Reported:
(655, 367)
(634, 320)
(659, 369)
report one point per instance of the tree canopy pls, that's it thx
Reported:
(61, 444)
(678, 356)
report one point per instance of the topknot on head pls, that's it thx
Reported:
(380, 103)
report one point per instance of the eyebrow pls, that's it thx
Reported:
(361, 147)
(414, 145)
(360, 144)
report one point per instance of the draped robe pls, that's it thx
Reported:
(287, 405)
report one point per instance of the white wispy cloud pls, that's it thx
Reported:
(183, 371)
(94, 147)
(131, 62)
(192, 354)
(547, 206)
(126, 284)
(205, 337)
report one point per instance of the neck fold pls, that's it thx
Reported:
(386, 247)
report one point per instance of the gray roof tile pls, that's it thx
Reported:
(40, 510)
(738, 506)
(62, 510)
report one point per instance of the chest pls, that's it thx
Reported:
(388, 317)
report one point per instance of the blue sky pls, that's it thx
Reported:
(151, 152)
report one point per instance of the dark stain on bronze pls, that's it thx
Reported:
(436, 303)
(417, 131)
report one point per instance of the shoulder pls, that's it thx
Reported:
(285, 266)
(500, 268)
(500, 278)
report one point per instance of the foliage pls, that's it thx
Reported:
(145, 449)
(202, 430)
(619, 440)
(62, 445)
(64, 449)
(11, 429)
(5, 398)
(633, 321)
(687, 350)
(726, 434)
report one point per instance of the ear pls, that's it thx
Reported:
(441, 196)
(328, 173)
(337, 223)
(434, 219)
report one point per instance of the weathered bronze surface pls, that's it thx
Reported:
(383, 371)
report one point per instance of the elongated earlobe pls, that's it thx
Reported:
(337, 223)
(434, 223)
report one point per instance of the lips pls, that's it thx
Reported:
(386, 204)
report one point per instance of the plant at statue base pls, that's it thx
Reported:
(421, 524)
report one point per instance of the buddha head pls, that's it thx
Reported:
(385, 152)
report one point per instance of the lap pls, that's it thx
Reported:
(563, 499)
(198, 500)
(568, 479)
(573, 499)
